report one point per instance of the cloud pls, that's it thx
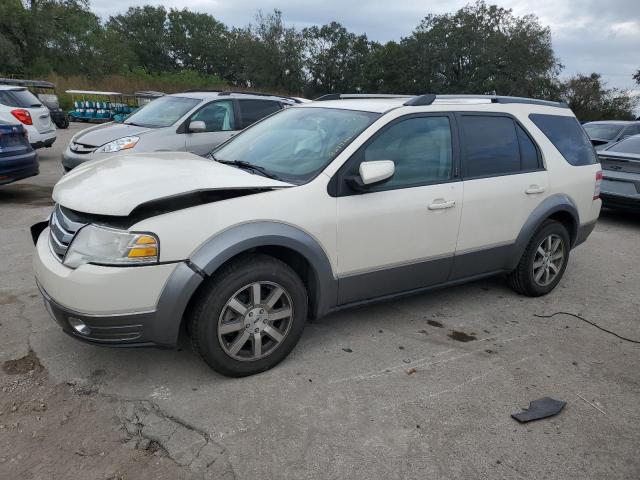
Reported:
(588, 35)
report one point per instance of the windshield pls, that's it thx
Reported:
(162, 112)
(296, 143)
(21, 98)
(602, 131)
(628, 145)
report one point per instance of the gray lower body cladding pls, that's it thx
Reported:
(159, 327)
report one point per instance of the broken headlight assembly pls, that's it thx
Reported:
(109, 246)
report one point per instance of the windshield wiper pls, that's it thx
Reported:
(248, 166)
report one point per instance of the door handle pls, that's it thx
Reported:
(441, 204)
(533, 189)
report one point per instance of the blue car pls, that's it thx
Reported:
(17, 159)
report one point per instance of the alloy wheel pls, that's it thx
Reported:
(548, 260)
(255, 321)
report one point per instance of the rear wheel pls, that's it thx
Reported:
(543, 262)
(249, 316)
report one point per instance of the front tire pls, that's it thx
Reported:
(543, 262)
(249, 316)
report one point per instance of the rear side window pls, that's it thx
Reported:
(490, 145)
(19, 98)
(253, 110)
(568, 136)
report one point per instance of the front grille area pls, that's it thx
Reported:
(62, 230)
(81, 148)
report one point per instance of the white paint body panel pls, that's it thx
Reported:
(396, 227)
(495, 209)
(116, 185)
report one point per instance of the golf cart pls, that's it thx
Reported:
(46, 93)
(100, 107)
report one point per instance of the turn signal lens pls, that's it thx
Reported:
(143, 247)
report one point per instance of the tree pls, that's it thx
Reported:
(636, 76)
(267, 54)
(335, 59)
(590, 99)
(47, 35)
(480, 49)
(197, 41)
(145, 31)
(13, 20)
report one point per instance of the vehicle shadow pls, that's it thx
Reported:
(26, 194)
(619, 217)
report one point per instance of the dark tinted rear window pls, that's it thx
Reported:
(19, 99)
(568, 136)
(490, 146)
(253, 110)
(629, 145)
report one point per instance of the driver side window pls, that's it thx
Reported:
(420, 148)
(217, 116)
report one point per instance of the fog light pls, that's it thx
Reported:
(79, 326)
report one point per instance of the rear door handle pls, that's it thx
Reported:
(533, 189)
(441, 204)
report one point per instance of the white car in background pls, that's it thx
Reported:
(19, 105)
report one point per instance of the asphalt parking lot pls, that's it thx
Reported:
(386, 391)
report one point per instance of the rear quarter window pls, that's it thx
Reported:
(19, 98)
(568, 136)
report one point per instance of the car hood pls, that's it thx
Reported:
(117, 185)
(105, 133)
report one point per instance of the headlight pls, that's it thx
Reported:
(123, 143)
(108, 246)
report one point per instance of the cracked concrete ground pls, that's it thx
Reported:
(384, 391)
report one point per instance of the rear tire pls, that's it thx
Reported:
(249, 316)
(543, 262)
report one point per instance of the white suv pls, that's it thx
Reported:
(19, 105)
(319, 207)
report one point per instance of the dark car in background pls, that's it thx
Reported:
(603, 134)
(17, 159)
(620, 162)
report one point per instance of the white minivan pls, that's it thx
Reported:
(321, 206)
(19, 105)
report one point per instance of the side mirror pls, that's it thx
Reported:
(197, 126)
(372, 173)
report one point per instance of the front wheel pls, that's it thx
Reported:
(543, 262)
(249, 316)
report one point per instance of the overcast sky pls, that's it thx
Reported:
(588, 35)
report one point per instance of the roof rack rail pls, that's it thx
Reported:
(355, 96)
(259, 94)
(504, 99)
(196, 90)
(430, 98)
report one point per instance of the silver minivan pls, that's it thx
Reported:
(194, 121)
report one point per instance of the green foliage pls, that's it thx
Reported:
(590, 99)
(144, 30)
(480, 48)
(335, 59)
